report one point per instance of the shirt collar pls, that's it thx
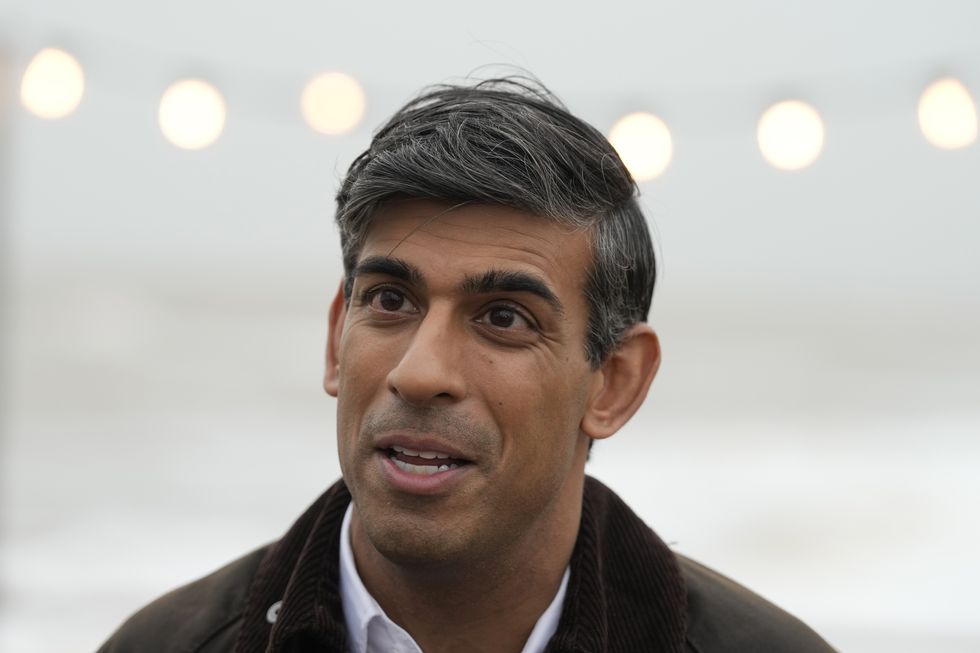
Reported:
(369, 630)
(368, 627)
(625, 592)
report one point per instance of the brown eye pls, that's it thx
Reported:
(390, 300)
(505, 317)
(502, 317)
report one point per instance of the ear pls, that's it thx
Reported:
(622, 382)
(335, 329)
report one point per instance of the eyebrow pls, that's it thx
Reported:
(392, 267)
(509, 281)
(490, 281)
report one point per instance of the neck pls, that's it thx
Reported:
(476, 605)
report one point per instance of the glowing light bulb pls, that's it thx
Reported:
(791, 135)
(643, 143)
(192, 114)
(332, 103)
(947, 115)
(52, 85)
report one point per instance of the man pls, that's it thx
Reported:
(490, 327)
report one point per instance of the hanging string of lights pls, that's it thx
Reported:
(192, 115)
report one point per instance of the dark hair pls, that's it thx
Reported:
(511, 142)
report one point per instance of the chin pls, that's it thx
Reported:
(417, 546)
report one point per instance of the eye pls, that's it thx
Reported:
(389, 300)
(505, 317)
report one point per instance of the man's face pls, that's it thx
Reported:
(461, 379)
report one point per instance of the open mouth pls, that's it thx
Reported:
(424, 463)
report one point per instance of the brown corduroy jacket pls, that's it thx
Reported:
(627, 593)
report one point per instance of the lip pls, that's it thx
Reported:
(418, 484)
(423, 485)
(421, 443)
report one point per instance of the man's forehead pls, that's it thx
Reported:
(454, 226)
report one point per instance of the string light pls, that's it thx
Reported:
(52, 85)
(192, 114)
(643, 143)
(333, 103)
(790, 135)
(947, 115)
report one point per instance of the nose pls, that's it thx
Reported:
(430, 371)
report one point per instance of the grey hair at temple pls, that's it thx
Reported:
(511, 142)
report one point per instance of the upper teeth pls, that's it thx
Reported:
(428, 455)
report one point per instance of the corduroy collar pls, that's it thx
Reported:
(625, 593)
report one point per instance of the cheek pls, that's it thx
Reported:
(537, 406)
(364, 362)
(363, 373)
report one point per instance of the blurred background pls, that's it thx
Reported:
(811, 173)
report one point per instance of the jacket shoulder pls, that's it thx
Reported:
(202, 613)
(724, 617)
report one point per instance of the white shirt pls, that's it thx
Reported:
(370, 630)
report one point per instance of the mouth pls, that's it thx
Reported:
(421, 462)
